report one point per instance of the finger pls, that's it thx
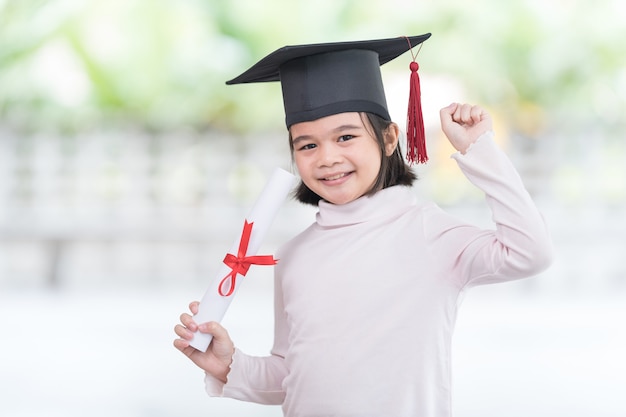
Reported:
(476, 113)
(184, 347)
(193, 306)
(188, 321)
(464, 114)
(183, 332)
(457, 115)
(181, 344)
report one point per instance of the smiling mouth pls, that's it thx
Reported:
(336, 177)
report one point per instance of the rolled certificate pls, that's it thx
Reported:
(220, 293)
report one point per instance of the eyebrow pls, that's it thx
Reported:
(338, 129)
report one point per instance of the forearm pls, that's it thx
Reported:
(521, 245)
(254, 379)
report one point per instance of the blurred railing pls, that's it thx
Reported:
(123, 206)
(133, 208)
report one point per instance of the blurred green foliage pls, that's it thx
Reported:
(161, 64)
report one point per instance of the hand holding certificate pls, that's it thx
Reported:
(243, 254)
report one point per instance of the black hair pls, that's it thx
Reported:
(393, 169)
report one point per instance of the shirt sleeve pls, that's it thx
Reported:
(257, 378)
(520, 246)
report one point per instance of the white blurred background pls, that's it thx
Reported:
(126, 169)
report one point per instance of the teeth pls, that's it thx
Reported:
(335, 177)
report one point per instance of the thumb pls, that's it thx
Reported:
(449, 109)
(445, 115)
(213, 328)
(221, 344)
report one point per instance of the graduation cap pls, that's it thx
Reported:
(320, 80)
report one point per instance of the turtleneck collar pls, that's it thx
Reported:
(385, 203)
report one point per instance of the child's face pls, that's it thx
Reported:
(337, 156)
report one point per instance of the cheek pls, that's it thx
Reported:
(298, 162)
(301, 166)
(302, 160)
(375, 168)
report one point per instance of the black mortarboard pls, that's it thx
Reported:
(320, 80)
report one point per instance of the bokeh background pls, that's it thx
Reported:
(127, 167)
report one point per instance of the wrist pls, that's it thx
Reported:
(227, 360)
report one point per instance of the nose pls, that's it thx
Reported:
(328, 155)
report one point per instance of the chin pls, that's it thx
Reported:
(340, 200)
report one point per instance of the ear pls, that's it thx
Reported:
(391, 138)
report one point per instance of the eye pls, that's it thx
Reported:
(307, 146)
(344, 138)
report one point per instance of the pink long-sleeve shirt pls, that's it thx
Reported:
(366, 297)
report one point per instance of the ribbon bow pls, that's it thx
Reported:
(241, 263)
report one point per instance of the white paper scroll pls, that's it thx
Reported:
(213, 306)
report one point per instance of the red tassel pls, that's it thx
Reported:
(415, 137)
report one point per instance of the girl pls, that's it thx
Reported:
(366, 297)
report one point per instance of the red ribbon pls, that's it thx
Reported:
(241, 263)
